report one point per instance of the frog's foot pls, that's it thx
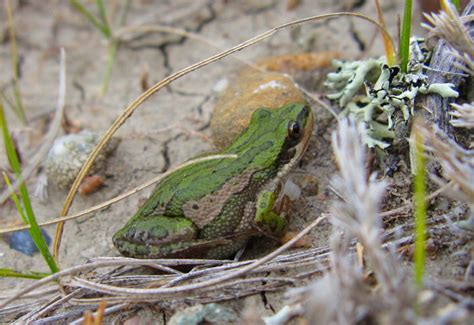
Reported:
(267, 220)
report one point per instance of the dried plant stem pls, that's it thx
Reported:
(389, 50)
(143, 29)
(107, 311)
(130, 109)
(185, 289)
(52, 304)
(155, 293)
(247, 284)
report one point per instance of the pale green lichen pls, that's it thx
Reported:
(389, 93)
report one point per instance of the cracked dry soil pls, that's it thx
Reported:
(182, 109)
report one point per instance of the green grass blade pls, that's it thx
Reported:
(420, 209)
(112, 51)
(123, 16)
(35, 231)
(18, 106)
(15, 199)
(405, 37)
(111, 55)
(25, 275)
(103, 18)
(457, 4)
(83, 11)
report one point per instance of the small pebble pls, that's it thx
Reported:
(292, 190)
(204, 314)
(21, 241)
(68, 154)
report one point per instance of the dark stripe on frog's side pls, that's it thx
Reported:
(234, 209)
(204, 210)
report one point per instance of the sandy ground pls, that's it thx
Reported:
(144, 152)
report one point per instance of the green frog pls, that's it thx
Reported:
(209, 209)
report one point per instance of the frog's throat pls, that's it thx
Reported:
(300, 149)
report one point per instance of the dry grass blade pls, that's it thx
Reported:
(52, 304)
(362, 196)
(463, 115)
(105, 312)
(450, 26)
(107, 262)
(123, 35)
(389, 50)
(342, 295)
(457, 163)
(185, 289)
(293, 267)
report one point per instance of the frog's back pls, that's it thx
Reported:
(192, 190)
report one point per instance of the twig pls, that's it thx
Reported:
(50, 305)
(185, 289)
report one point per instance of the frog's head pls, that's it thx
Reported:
(279, 137)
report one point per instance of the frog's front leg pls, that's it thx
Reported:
(264, 214)
(157, 236)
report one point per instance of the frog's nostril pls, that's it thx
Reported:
(141, 236)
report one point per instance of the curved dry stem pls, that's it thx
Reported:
(130, 109)
(143, 29)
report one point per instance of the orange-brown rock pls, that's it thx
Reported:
(251, 89)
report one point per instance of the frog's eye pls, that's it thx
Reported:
(294, 130)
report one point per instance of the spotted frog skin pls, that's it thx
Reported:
(209, 209)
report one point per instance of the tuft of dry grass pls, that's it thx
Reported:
(463, 115)
(356, 216)
(457, 164)
(449, 26)
(350, 292)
